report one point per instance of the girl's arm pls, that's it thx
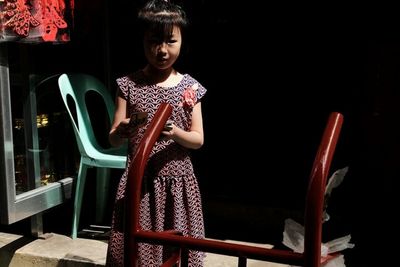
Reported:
(194, 138)
(118, 133)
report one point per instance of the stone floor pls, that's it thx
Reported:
(62, 251)
(215, 260)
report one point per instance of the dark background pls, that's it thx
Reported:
(273, 74)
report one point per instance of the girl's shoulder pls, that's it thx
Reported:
(188, 80)
(187, 77)
(130, 84)
(136, 78)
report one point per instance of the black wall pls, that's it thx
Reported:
(273, 74)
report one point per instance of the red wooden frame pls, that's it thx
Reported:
(312, 219)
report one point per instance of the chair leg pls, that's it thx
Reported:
(102, 189)
(80, 187)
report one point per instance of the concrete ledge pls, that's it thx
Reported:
(54, 250)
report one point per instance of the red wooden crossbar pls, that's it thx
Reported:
(313, 212)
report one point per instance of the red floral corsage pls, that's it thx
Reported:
(189, 97)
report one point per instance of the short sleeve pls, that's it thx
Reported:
(123, 87)
(201, 91)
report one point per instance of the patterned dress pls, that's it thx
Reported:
(171, 196)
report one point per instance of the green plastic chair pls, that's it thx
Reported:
(75, 87)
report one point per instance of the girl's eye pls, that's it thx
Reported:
(172, 41)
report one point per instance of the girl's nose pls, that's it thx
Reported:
(162, 48)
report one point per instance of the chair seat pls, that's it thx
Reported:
(113, 157)
(105, 161)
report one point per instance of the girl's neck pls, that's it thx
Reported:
(159, 77)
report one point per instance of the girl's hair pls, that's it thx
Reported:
(160, 16)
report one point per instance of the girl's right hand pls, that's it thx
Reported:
(128, 127)
(124, 129)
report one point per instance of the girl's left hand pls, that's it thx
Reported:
(168, 130)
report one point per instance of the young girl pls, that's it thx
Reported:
(171, 197)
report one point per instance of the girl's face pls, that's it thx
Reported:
(162, 51)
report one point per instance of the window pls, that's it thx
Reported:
(35, 160)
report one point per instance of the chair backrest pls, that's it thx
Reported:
(76, 87)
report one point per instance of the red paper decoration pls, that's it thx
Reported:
(35, 20)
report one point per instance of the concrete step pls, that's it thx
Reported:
(54, 250)
(51, 250)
